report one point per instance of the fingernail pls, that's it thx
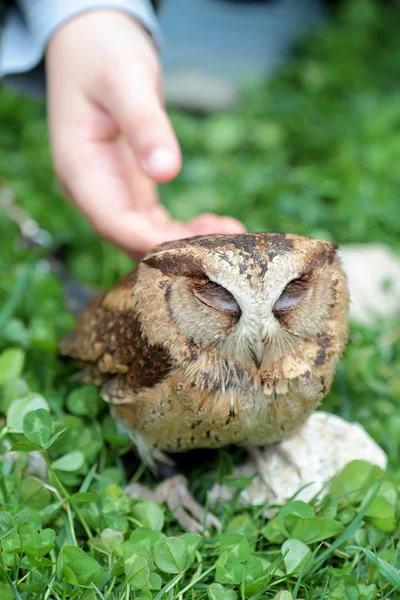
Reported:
(159, 161)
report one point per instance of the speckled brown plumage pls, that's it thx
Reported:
(108, 340)
(217, 339)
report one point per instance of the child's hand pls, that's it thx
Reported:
(111, 138)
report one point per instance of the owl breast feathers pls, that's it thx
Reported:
(217, 339)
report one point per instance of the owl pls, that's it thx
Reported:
(216, 340)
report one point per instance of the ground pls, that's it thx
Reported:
(314, 152)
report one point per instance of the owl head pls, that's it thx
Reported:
(252, 296)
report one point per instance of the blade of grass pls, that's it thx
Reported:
(303, 571)
(388, 571)
(17, 293)
(3, 489)
(348, 532)
(193, 583)
(168, 586)
(98, 592)
(10, 583)
(87, 482)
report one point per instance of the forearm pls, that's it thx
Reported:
(29, 25)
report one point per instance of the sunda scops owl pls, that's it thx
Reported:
(217, 339)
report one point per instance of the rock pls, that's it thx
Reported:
(373, 272)
(200, 92)
(320, 449)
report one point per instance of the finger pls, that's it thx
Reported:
(89, 166)
(143, 194)
(102, 196)
(209, 223)
(134, 102)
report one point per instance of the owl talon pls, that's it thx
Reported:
(175, 494)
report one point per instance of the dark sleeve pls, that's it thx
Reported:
(4, 5)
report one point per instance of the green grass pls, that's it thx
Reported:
(314, 152)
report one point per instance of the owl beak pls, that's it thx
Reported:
(257, 350)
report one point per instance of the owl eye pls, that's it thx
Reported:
(216, 297)
(292, 295)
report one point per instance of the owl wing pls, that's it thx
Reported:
(108, 341)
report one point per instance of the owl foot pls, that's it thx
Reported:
(175, 494)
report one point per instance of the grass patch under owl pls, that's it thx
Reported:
(316, 153)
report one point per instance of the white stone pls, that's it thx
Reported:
(373, 272)
(320, 449)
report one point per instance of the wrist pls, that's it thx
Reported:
(95, 47)
(97, 23)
